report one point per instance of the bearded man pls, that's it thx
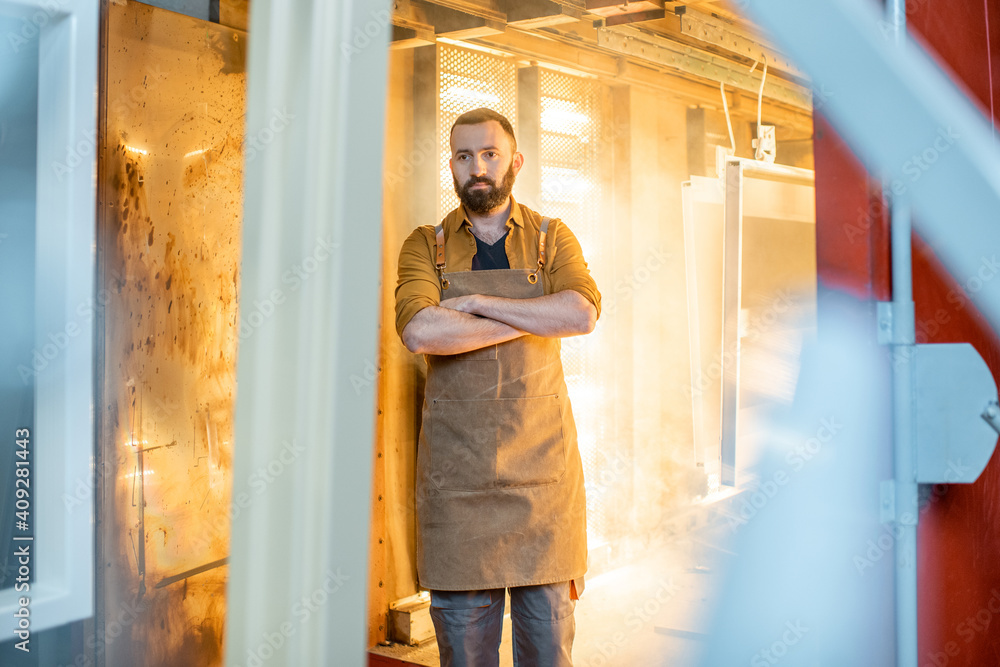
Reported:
(486, 295)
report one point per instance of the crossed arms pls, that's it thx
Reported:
(470, 322)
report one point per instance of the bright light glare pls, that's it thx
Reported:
(560, 116)
(473, 95)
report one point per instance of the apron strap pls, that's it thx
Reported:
(439, 262)
(533, 277)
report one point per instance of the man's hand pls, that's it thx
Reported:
(565, 313)
(443, 330)
(463, 304)
(473, 321)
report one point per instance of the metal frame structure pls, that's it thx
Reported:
(736, 171)
(631, 41)
(62, 436)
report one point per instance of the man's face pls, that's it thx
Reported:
(483, 165)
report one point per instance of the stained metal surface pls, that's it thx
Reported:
(169, 253)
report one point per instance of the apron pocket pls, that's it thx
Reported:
(485, 444)
(530, 448)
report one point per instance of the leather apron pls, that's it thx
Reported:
(499, 484)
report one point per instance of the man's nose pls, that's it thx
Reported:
(478, 166)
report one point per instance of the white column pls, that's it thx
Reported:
(309, 301)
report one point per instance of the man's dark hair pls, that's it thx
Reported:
(483, 115)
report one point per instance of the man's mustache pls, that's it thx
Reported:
(480, 179)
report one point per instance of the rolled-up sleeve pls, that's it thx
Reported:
(417, 282)
(567, 267)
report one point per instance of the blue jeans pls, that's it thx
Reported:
(469, 624)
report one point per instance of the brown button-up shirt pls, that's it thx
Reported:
(418, 285)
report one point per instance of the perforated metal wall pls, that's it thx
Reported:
(571, 190)
(469, 80)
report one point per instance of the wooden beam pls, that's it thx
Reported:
(635, 17)
(618, 7)
(457, 24)
(578, 56)
(410, 27)
(487, 9)
(534, 14)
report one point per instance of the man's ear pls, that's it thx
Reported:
(518, 162)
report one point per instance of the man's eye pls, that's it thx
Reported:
(491, 154)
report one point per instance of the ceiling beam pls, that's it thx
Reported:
(534, 14)
(573, 55)
(459, 24)
(486, 9)
(730, 37)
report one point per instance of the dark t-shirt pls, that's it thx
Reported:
(491, 256)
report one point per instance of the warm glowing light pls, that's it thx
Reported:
(135, 443)
(473, 95)
(197, 152)
(561, 184)
(713, 483)
(133, 149)
(134, 474)
(557, 120)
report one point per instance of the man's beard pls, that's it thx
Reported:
(483, 201)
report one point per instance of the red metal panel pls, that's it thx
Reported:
(852, 249)
(959, 537)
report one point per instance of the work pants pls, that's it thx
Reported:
(469, 624)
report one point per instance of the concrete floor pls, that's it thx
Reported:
(654, 610)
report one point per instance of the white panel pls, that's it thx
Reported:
(299, 567)
(62, 435)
